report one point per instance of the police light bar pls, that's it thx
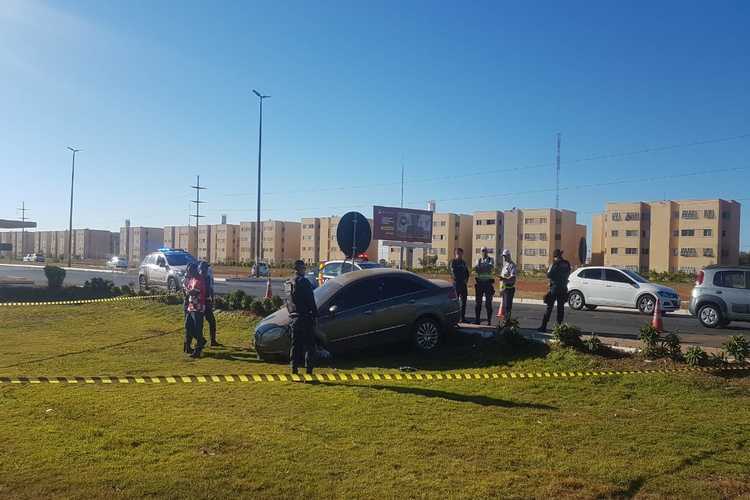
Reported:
(362, 256)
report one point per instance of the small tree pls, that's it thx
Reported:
(738, 347)
(55, 276)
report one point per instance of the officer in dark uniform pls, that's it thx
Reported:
(558, 274)
(302, 312)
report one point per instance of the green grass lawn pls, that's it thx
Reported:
(678, 435)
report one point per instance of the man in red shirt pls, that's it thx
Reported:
(195, 294)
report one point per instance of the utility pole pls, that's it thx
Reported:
(258, 233)
(23, 211)
(70, 222)
(198, 188)
(557, 174)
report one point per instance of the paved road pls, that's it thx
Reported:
(620, 324)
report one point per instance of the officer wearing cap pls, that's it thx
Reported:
(558, 274)
(508, 281)
(485, 281)
(302, 312)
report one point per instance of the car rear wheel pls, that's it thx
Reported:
(426, 336)
(646, 304)
(576, 301)
(710, 316)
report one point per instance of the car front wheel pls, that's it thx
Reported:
(646, 304)
(142, 282)
(576, 301)
(172, 285)
(426, 336)
(709, 316)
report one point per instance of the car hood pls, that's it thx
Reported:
(653, 287)
(279, 318)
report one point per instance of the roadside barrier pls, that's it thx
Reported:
(351, 377)
(83, 301)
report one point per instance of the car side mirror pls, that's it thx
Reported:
(332, 310)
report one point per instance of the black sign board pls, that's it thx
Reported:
(353, 234)
(6, 247)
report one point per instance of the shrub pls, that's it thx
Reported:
(100, 287)
(738, 347)
(651, 341)
(510, 333)
(219, 303)
(278, 302)
(717, 359)
(126, 290)
(258, 308)
(247, 303)
(235, 298)
(671, 346)
(593, 344)
(567, 335)
(696, 356)
(55, 276)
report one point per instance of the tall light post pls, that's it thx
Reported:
(258, 233)
(70, 222)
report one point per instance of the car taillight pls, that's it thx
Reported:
(452, 294)
(699, 278)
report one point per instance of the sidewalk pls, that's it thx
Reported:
(84, 269)
(539, 302)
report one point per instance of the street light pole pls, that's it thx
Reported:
(70, 222)
(258, 232)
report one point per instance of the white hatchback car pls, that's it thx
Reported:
(590, 287)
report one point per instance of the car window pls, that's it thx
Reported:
(730, 279)
(635, 276)
(333, 269)
(179, 259)
(368, 265)
(357, 294)
(160, 261)
(346, 267)
(590, 274)
(616, 277)
(396, 286)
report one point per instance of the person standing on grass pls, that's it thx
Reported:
(485, 286)
(508, 281)
(195, 291)
(208, 277)
(303, 312)
(558, 274)
(460, 275)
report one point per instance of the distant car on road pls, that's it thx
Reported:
(117, 263)
(33, 257)
(366, 308)
(721, 294)
(334, 268)
(263, 268)
(164, 268)
(590, 287)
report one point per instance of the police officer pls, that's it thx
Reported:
(485, 282)
(208, 278)
(508, 280)
(460, 275)
(303, 312)
(558, 274)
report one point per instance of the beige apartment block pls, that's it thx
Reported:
(281, 241)
(247, 241)
(225, 243)
(16, 238)
(183, 237)
(488, 233)
(203, 252)
(136, 242)
(92, 244)
(449, 231)
(672, 236)
(310, 240)
(329, 248)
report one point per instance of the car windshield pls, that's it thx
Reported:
(635, 276)
(368, 265)
(179, 259)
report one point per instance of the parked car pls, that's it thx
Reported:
(164, 268)
(367, 308)
(33, 257)
(335, 268)
(264, 270)
(117, 263)
(590, 287)
(721, 294)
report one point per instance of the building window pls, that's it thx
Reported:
(478, 222)
(644, 251)
(613, 251)
(675, 252)
(529, 236)
(675, 233)
(558, 236)
(688, 252)
(631, 251)
(643, 234)
(631, 233)
(542, 236)
(723, 233)
(530, 252)
(690, 214)
(490, 222)
(632, 216)
(442, 223)
(687, 232)
(708, 252)
(709, 214)
(725, 215)
(725, 252)
(615, 233)
(708, 232)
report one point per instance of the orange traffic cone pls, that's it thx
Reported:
(657, 322)
(269, 294)
(501, 310)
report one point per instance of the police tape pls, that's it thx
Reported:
(84, 301)
(353, 376)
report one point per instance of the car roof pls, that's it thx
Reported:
(350, 277)
(726, 266)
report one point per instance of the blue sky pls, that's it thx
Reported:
(157, 92)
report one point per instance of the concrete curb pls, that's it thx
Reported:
(538, 302)
(85, 269)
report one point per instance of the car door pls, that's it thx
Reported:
(159, 271)
(349, 316)
(732, 287)
(591, 285)
(619, 290)
(396, 309)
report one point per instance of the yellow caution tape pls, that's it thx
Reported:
(83, 301)
(352, 376)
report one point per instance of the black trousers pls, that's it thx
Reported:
(194, 331)
(303, 344)
(463, 295)
(211, 320)
(508, 294)
(559, 297)
(484, 291)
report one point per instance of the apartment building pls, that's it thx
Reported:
(329, 247)
(281, 241)
(247, 241)
(183, 237)
(671, 236)
(21, 241)
(532, 235)
(310, 240)
(225, 243)
(136, 242)
(449, 231)
(203, 249)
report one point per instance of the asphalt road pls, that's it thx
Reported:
(606, 323)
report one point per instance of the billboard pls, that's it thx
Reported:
(402, 224)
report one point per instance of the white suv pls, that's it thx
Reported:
(590, 287)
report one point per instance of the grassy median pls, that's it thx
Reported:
(683, 435)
